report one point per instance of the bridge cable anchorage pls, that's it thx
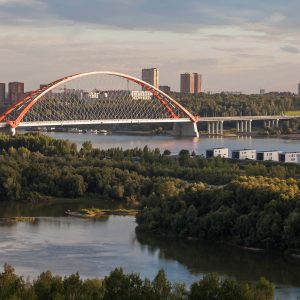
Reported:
(95, 97)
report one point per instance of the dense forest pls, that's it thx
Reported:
(235, 105)
(33, 166)
(250, 211)
(226, 104)
(121, 286)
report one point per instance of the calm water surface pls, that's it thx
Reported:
(95, 247)
(175, 144)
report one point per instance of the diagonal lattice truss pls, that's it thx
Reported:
(95, 96)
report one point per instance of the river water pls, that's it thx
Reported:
(175, 144)
(95, 247)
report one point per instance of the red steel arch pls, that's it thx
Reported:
(26, 103)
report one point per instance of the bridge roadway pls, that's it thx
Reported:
(182, 126)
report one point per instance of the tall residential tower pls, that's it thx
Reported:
(191, 83)
(2, 93)
(15, 92)
(151, 76)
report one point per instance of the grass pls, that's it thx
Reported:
(95, 212)
(19, 219)
(292, 113)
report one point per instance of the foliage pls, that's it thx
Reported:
(250, 211)
(121, 286)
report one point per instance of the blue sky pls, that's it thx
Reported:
(236, 45)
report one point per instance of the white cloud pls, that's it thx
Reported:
(19, 2)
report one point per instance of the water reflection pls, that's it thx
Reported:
(175, 144)
(55, 208)
(204, 257)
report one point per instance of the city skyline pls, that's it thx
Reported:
(237, 46)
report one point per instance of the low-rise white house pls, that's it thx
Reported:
(268, 155)
(244, 154)
(289, 157)
(215, 152)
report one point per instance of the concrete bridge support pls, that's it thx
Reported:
(250, 126)
(215, 128)
(244, 126)
(185, 129)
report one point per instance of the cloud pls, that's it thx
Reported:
(290, 49)
(19, 2)
(217, 38)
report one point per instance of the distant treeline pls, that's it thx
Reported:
(121, 286)
(208, 105)
(33, 166)
(235, 105)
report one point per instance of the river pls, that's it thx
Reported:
(175, 144)
(95, 247)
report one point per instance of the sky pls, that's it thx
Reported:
(237, 45)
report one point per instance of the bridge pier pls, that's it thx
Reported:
(185, 129)
(12, 131)
(215, 128)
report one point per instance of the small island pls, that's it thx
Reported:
(97, 212)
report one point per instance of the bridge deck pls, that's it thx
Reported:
(145, 121)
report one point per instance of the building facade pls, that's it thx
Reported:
(151, 76)
(244, 154)
(191, 83)
(267, 155)
(15, 92)
(165, 88)
(289, 157)
(2, 93)
(217, 152)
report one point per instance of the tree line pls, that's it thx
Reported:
(121, 286)
(250, 211)
(35, 166)
(223, 104)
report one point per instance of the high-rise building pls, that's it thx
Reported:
(262, 91)
(151, 76)
(2, 93)
(197, 83)
(15, 92)
(191, 83)
(165, 88)
(186, 83)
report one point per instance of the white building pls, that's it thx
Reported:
(244, 154)
(289, 157)
(268, 155)
(141, 95)
(217, 152)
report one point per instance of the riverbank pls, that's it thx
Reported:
(97, 212)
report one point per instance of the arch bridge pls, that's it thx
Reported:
(100, 97)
